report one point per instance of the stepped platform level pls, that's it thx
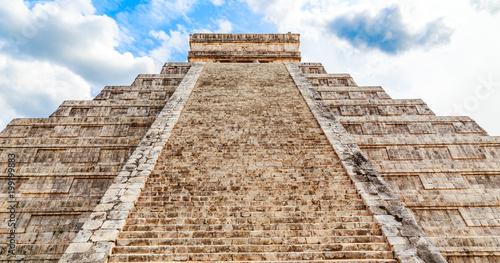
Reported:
(244, 153)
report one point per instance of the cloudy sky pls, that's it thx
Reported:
(445, 52)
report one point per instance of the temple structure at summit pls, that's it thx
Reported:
(245, 153)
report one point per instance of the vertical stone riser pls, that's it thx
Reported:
(67, 161)
(406, 237)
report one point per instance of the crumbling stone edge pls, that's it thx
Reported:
(406, 237)
(96, 239)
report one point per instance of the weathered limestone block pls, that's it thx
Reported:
(329, 95)
(404, 153)
(16, 131)
(435, 153)
(65, 131)
(312, 68)
(466, 152)
(352, 111)
(90, 131)
(397, 129)
(99, 112)
(481, 216)
(46, 185)
(114, 130)
(374, 128)
(467, 127)
(390, 110)
(443, 181)
(420, 128)
(424, 110)
(357, 95)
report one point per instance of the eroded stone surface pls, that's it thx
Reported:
(442, 170)
(248, 175)
(109, 217)
(65, 163)
(402, 231)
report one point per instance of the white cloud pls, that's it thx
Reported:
(75, 50)
(62, 43)
(493, 6)
(218, 26)
(177, 41)
(85, 44)
(442, 75)
(30, 88)
(218, 2)
(224, 26)
(387, 32)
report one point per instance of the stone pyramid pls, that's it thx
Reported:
(246, 154)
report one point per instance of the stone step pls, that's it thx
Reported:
(475, 167)
(386, 107)
(285, 256)
(490, 141)
(76, 170)
(251, 227)
(249, 209)
(271, 177)
(411, 125)
(43, 122)
(282, 182)
(268, 182)
(247, 241)
(156, 204)
(33, 253)
(250, 248)
(127, 89)
(256, 191)
(68, 142)
(248, 220)
(252, 198)
(265, 187)
(350, 89)
(228, 154)
(249, 175)
(250, 234)
(160, 76)
(112, 103)
(352, 93)
(254, 195)
(375, 102)
(277, 175)
(127, 96)
(306, 190)
(288, 261)
(285, 214)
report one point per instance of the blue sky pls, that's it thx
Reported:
(445, 52)
(197, 16)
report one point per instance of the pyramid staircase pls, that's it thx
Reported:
(248, 175)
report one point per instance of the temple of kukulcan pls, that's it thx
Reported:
(245, 153)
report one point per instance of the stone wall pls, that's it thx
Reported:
(267, 162)
(244, 48)
(66, 162)
(248, 175)
(444, 169)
